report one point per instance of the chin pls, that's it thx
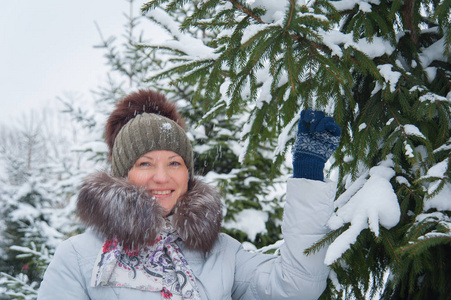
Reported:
(167, 209)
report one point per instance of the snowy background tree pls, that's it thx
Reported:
(37, 197)
(241, 71)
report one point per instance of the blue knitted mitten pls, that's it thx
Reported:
(317, 138)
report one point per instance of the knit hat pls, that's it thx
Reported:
(142, 122)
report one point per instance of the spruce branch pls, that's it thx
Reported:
(291, 68)
(325, 240)
(146, 7)
(20, 282)
(389, 242)
(292, 6)
(421, 246)
(246, 11)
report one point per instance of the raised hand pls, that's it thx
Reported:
(317, 138)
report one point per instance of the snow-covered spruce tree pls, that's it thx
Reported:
(36, 198)
(383, 70)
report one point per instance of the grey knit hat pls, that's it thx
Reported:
(142, 122)
(148, 132)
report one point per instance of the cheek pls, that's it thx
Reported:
(185, 187)
(136, 177)
(184, 182)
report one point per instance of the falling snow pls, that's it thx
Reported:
(369, 201)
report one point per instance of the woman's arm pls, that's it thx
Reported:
(292, 275)
(309, 206)
(63, 278)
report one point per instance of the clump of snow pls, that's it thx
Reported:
(333, 40)
(438, 170)
(275, 10)
(443, 147)
(274, 247)
(201, 149)
(408, 149)
(433, 52)
(334, 279)
(199, 132)
(431, 72)
(390, 76)
(373, 203)
(411, 130)
(364, 6)
(224, 94)
(376, 48)
(441, 201)
(349, 4)
(431, 97)
(402, 180)
(362, 126)
(250, 221)
(264, 93)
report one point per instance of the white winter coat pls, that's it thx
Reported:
(227, 271)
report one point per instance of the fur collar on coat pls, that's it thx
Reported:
(114, 207)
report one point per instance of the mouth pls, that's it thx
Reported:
(161, 193)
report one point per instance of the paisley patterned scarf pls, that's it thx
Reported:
(160, 267)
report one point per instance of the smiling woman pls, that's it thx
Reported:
(154, 227)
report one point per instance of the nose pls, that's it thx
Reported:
(161, 175)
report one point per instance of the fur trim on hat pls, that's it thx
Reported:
(143, 101)
(116, 208)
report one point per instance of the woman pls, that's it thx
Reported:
(154, 229)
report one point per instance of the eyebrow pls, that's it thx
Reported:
(170, 157)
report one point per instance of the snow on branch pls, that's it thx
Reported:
(373, 204)
(285, 136)
(27, 252)
(29, 291)
(183, 42)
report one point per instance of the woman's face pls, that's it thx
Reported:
(164, 174)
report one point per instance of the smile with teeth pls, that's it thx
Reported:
(166, 192)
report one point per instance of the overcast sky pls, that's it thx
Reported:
(46, 49)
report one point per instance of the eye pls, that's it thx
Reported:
(175, 163)
(142, 164)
